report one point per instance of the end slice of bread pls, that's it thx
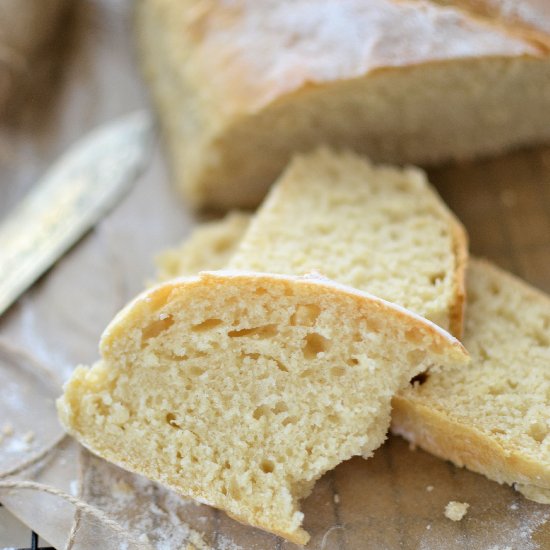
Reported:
(494, 416)
(240, 390)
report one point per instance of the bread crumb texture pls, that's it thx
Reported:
(455, 511)
(240, 390)
(379, 229)
(493, 416)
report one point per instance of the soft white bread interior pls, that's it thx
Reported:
(240, 390)
(241, 86)
(494, 416)
(380, 229)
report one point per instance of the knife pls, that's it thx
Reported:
(71, 197)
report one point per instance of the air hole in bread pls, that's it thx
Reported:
(289, 420)
(155, 328)
(266, 331)
(420, 379)
(314, 345)
(262, 410)
(512, 384)
(171, 419)
(437, 278)
(280, 365)
(208, 324)
(352, 362)
(267, 466)
(280, 407)
(305, 315)
(195, 371)
(172, 356)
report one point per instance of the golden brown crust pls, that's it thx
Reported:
(460, 250)
(463, 445)
(154, 298)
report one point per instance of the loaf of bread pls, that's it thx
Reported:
(240, 86)
(494, 416)
(241, 389)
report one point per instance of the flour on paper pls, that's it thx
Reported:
(146, 509)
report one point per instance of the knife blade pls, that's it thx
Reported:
(71, 197)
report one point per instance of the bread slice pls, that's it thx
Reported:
(211, 244)
(381, 229)
(494, 416)
(241, 86)
(241, 389)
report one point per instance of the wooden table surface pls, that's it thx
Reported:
(381, 503)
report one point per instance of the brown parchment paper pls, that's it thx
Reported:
(393, 501)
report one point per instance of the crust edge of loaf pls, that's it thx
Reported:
(464, 446)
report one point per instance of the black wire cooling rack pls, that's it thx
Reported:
(35, 543)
